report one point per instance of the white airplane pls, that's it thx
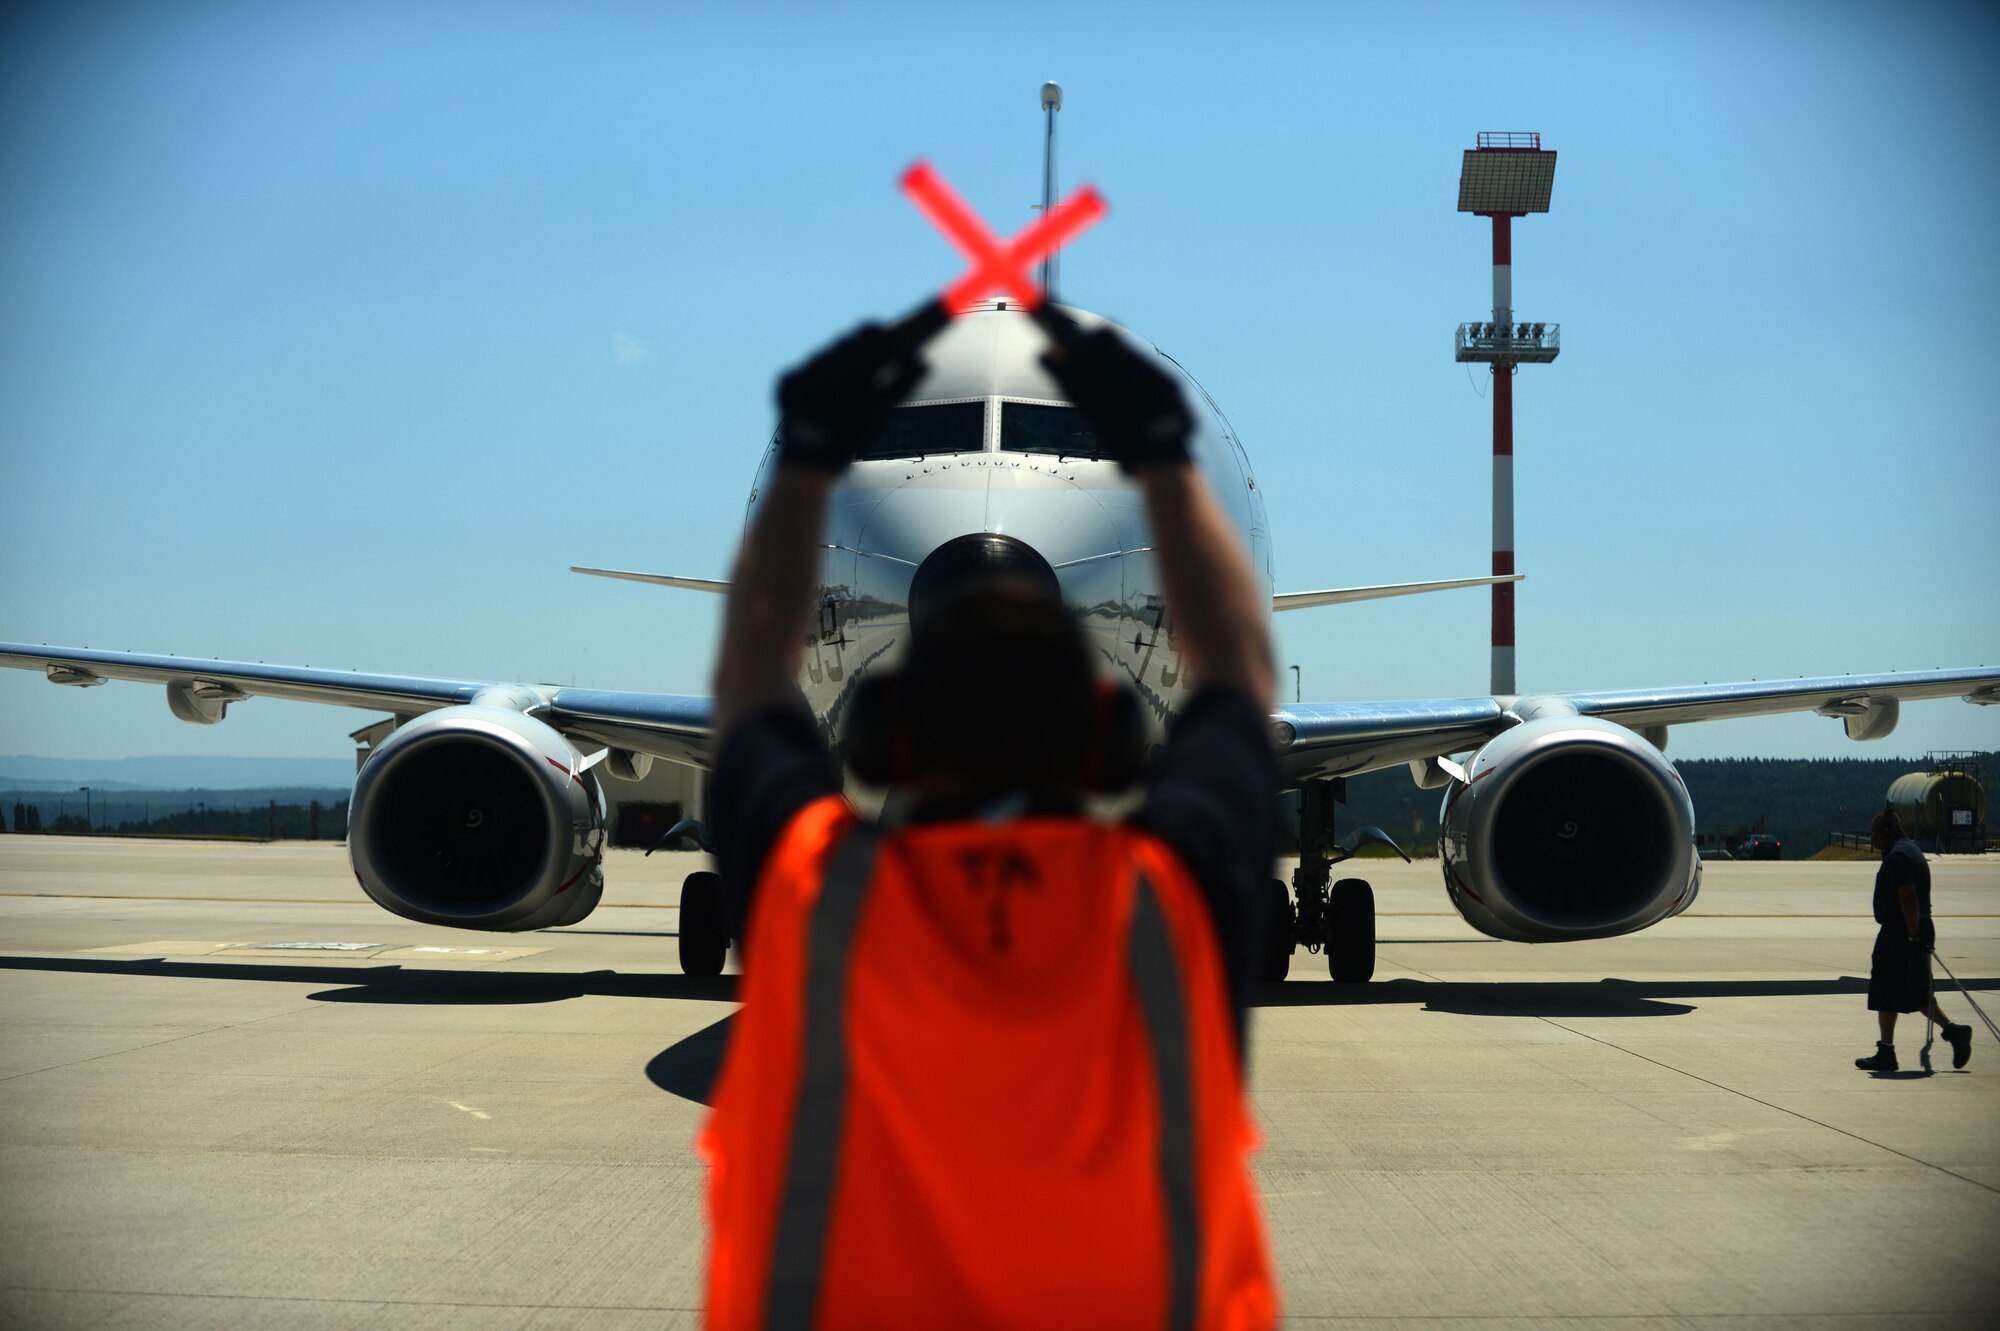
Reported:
(485, 808)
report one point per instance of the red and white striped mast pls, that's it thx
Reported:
(1508, 175)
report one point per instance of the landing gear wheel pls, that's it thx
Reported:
(703, 940)
(1350, 931)
(1278, 951)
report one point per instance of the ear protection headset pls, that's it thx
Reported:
(878, 734)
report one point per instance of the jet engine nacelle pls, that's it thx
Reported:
(1568, 827)
(478, 817)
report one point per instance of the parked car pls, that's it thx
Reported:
(1760, 847)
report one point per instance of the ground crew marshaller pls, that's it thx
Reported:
(989, 1066)
(1899, 970)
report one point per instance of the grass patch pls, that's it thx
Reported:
(1830, 854)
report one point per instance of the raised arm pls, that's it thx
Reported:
(832, 406)
(770, 595)
(1142, 420)
(1211, 592)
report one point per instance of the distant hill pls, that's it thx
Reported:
(169, 772)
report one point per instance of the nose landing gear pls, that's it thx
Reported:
(1337, 918)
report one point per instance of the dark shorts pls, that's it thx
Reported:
(1899, 973)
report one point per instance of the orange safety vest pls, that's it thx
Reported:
(984, 1076)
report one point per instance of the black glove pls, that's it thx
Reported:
(837, 403)
(1138, 411)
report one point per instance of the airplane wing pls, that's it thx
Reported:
(670, 726)
(657, 579)
(1340, 595)
(1282, 601)
(1340, 739)
(1313, 739)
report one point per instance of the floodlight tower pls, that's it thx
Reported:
(1051, 103)
(1506, 176)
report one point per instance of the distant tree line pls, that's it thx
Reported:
(279, 816)
(1799, 800)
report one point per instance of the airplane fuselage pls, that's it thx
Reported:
(987, 452)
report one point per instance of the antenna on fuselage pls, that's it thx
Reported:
(1051, 103)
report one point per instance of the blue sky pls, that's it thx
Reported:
(333, 334)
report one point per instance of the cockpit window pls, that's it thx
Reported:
(1062, 431)
(940, 427)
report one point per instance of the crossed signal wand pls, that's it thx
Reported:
(996, 266)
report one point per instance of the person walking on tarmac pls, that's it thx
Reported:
(989, 1066)
(1899, 971)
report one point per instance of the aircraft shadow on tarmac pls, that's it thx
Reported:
(393, 984)
(687, 1068)
(416, 988)
(1609, 997)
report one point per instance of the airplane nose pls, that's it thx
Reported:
(965, 560)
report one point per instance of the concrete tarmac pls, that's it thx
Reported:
(235, 1094)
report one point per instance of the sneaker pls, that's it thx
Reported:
(1960, 1040)
(1883, 1061)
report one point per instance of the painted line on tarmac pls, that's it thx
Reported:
(1696, 1076)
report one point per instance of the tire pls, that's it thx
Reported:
(1350, 931)
(703, 940)
(1278, 950)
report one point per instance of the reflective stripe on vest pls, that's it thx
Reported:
(813, 1162)
(1157, 979)
(812, 1167)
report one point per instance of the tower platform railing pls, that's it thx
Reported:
(1519, 343)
